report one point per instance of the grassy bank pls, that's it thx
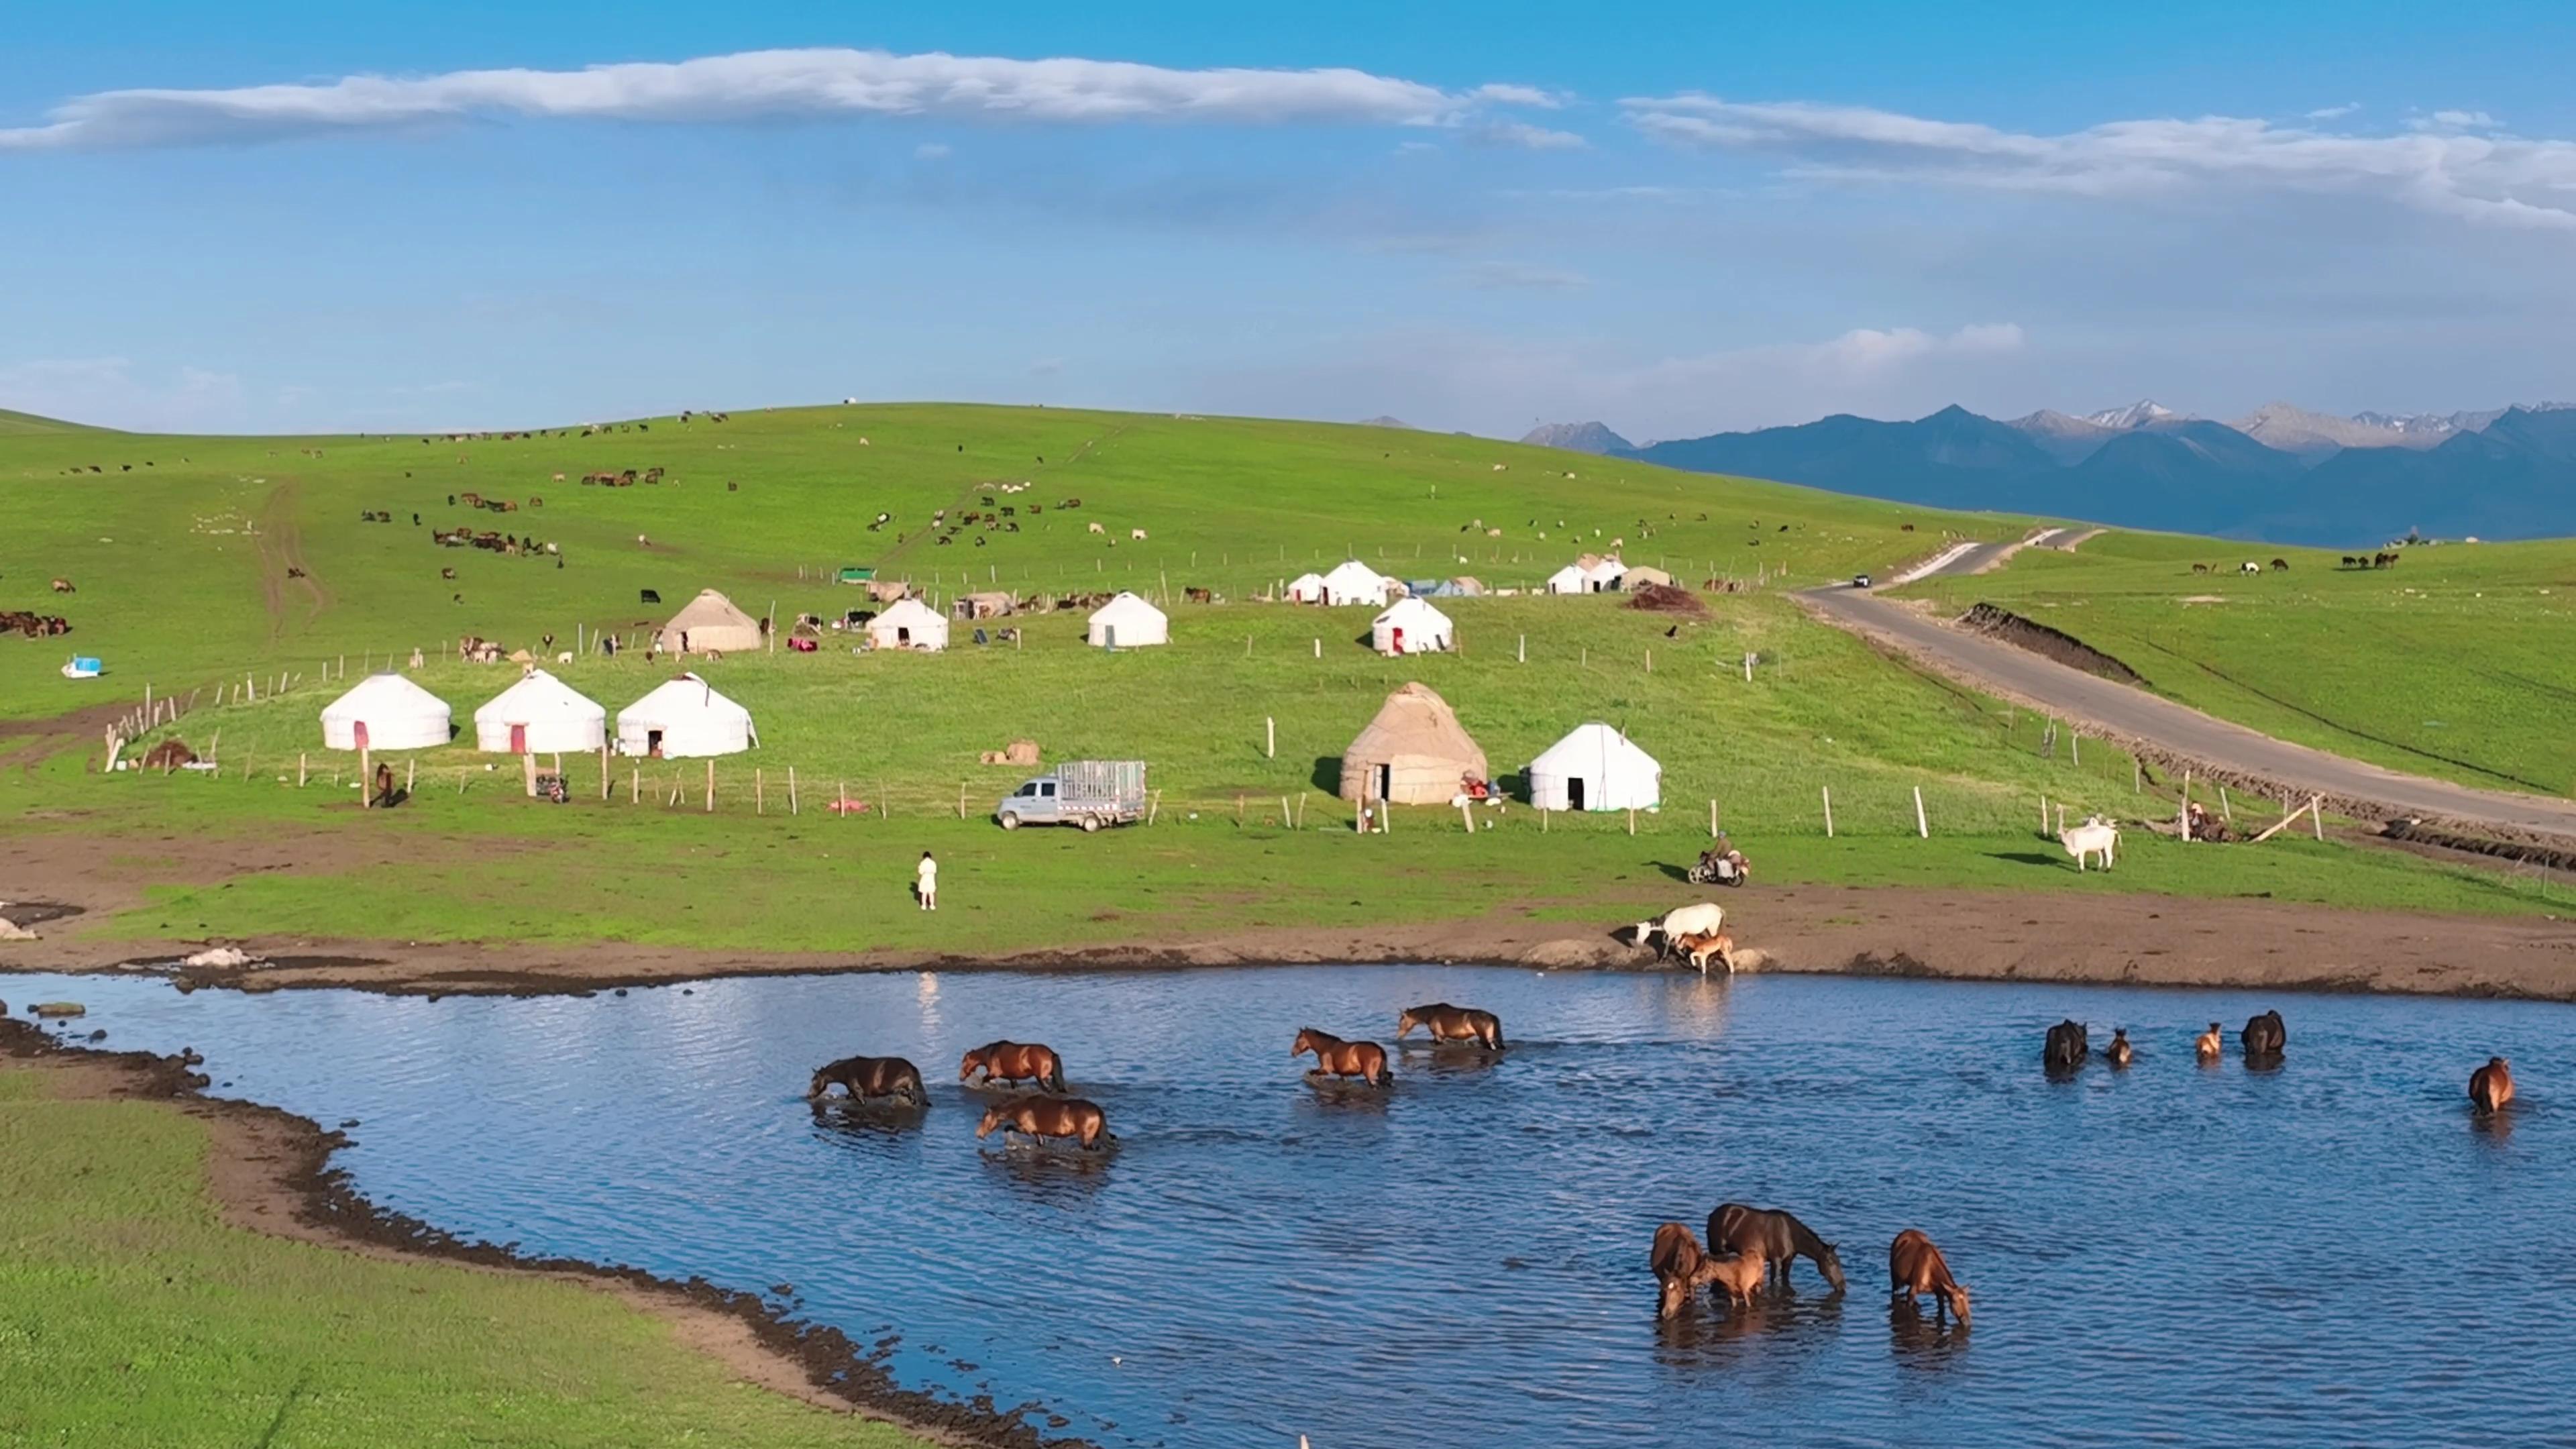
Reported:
(130, 1313)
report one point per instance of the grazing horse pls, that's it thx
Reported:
(1915, 1268)
(64, 586)
(1452, 1023)
(1773, 1236)
(1336, 1057)
(2264, 1035)
(1700, 949)
(2067, 1047)
(1014, 1062)
(2491, 1086)
(2120, 1052)
(864, 1077)
(1045, 1117)
(1681, 1270)
(2209, 1045)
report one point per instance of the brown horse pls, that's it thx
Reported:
(1045, 1117)
(1915, 1268)
(2264, 1036)
(1681, 1270)
(2120, 1052)
(2491, 1086)
(1336, 1057)
(1775, 1236)
(865, 1077)
(1453, 1023)
(1014, 1062)
(2209, 1045)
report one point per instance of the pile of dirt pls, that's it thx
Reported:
(2048, 643)
(1666, 599)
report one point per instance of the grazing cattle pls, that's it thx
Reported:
(1335, 1057)
(1014, 1062)
(2491, 1086)
(64, 586)
(2209, 1045)
(1199, 596)
(1096, 528)
(1701, 948)
(1136, 535)
(2067, 1047)
(2200, 568)
(2280, 566)
(448, 574)
(1776, 1237)
(1915, 1267)
(864, 1077)
(1047, 1117)
(1452, 1023)
(648, 596)
(2264, 1036)
(2095, 836)
(1681, 1270)
(2249, 567)
(1905, 528)
(1705, 918)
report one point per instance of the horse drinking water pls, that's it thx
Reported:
(1774, 1236)
(865, 1077)
(1917, 1268)
(1448, 1023)
(1681, 1270)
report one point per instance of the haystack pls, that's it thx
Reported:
(1665, 599)
(1414, 753)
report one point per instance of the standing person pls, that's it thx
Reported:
(926, 882)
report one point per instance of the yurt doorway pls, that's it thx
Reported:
(653, 744)
(518, 739)
(360, 730)
(1574, 792)
(1385, 781)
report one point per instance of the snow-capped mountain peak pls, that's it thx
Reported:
(2135, 415)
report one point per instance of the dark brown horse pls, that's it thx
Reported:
(1336, 1057)
(1778, 1237)
(1047, 1117)
(2264, 1036)
(2066, 1047)
(865, 1077)
(1014, 1062)
(2491, 1086)
(1916, 1268)
(1453, 1023)
(1681, 1270)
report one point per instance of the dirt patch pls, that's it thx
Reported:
(269, 1172)
(1665, 599)
(2048, 643)
(282, 570)
(2069, 543)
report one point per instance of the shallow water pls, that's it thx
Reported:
(2333, 1252)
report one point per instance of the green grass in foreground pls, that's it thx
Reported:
(2454, 663)
(131, 1314)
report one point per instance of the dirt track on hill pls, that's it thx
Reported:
(281, 562)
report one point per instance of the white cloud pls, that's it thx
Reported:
(766, 84)
(1521, 276)
(2334, 113)
(2491, 178)
(105, 392)
(1523, 136)
(930, 151)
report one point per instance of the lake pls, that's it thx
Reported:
(2332, 1252)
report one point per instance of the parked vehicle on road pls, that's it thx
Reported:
(1088, 793)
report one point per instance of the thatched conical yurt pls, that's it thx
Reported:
(1414, 753)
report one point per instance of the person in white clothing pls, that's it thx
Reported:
(926, 882)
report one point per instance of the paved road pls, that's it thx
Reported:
(2178, 729)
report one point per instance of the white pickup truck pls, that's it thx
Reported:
(1088, 793)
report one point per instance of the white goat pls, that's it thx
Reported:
(2095, 836)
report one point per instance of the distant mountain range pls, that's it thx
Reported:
(2280, 472)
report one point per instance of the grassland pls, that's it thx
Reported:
(132, 1313)
(2452, 663)
(203, 563)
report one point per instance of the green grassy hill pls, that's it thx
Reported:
(202, 564)
(18, 423)
(2452, 663)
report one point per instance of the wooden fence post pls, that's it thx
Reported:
(1829, 810)
(299, 769)
(1922, 827)
(365, 776)
(759, 793)
(528, 774)
(711, 784)
(1270, 729)
(1712, 818)
(791, 789)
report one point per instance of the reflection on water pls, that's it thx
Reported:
(2201, 1255)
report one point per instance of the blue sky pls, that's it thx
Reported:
(1673, 218)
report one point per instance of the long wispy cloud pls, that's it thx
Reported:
(769, 85)
(2453, 163)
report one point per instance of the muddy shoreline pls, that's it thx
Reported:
(2134, 940)
(269, 1171)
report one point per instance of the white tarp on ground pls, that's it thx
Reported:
(1411, 626)
(386, 712)
(910, 624)
(683, 718)
(1129, 622)
(540, 715)
(1595, 768)
(1353, 582)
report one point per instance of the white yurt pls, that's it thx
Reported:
(684, 718)
(540, 715)
(1595, 768)
(1128, 622)
(385, 712)
(1604, 573)
(909, 624)
(1568, 580)
(1353, 582)
(1306, 589)
(1410, 626)
(710, 624)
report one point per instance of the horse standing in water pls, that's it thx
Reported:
(1776, 1237)
(865, 1077)
(2209, 1045)
(2067, 1047)
(2491, 1086)
(1917, 1268)
(2264, 1036)
(1047, 1117)
(1681, 1270)
(1448, 1023)
(2120, 1053)
(1014, 1062)
(1336, 1057)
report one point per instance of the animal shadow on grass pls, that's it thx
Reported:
(1327, 776)
(2026, 857)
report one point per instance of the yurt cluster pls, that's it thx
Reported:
(1415, 752)
(540, 714)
